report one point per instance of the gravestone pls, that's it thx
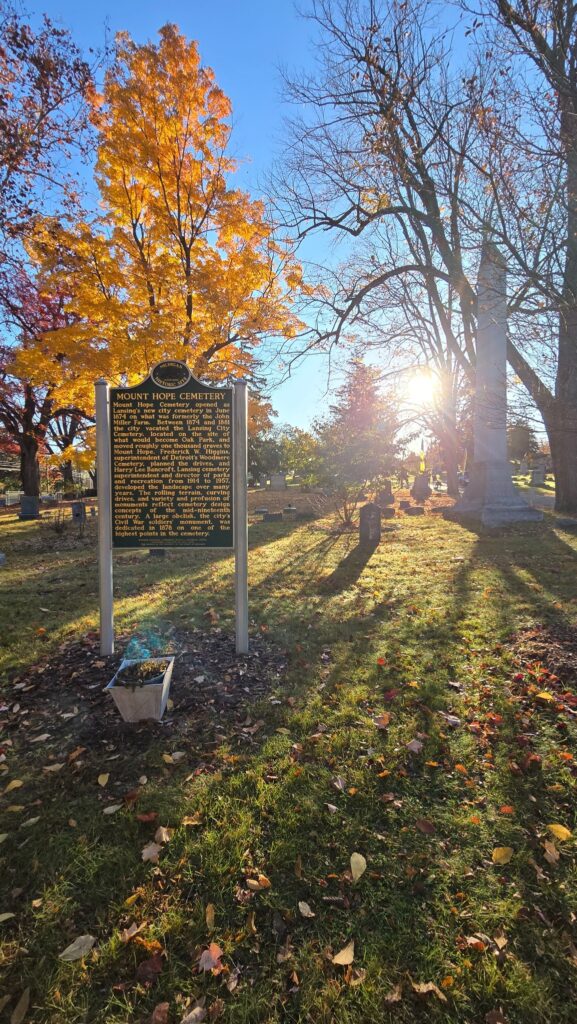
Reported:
(272, 517)
(3, 502)
(523, 468)
(370, 524)
(421, 489)
(79, 512)
(29, 507)
(538, 476)
(404, 504)
(388, 513)
(2, 558)
(490, 497)
(385, 495)
(278, 481)
(415, 510)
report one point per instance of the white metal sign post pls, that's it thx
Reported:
(173, 377)
(104, 517)
(240, 470)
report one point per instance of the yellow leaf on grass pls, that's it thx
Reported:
(15, 784)
(103, 779)
(358, 866)
(502, 854)
(346, 955)
(560, 832)
(544, 695)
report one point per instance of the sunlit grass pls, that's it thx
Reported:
(432, 604)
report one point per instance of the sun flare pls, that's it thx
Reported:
(421, 388)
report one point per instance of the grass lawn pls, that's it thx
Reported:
(414, 726)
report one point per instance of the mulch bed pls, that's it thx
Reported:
(212, 692)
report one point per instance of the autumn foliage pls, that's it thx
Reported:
(177, 263)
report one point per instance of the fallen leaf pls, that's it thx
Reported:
(560, 832)
(502, 854)
(394, 995)
(162, 834)
(192, 819)
(415, 746)
(544, 695)
(151, 852)
(305, 910)
(21, 1009)
(160, 1014)
(551, 852)
(426, 988)
(112, 808)
(147, 816)
(3, 836)
(54, 767)
(210, 958)
(126, 934)
(209, 916)
(358, 866)
(148, 971)
(256, 884)
(495, 1017)
(425, 826)
(383, 720)
(15, 784)
(41, 739)
(506, 809)
(78, 949)
(103, 779)
(346, 955)
(6, 916)
(196, 1014)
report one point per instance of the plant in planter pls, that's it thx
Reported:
(140, 688)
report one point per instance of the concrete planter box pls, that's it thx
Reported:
(137, 703)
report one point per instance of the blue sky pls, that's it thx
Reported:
(245, 42)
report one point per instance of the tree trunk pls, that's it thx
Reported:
(67, 474)
(563, 436)
(560, 424)
(29, 466)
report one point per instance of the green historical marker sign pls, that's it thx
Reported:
(171, 462)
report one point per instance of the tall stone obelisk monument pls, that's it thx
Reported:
(490, 497)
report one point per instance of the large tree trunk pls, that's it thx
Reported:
(563, 435)
(561, 425)
(29, 466)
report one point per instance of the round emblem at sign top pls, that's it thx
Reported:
(170, 374)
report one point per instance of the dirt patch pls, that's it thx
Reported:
(61, 704)
(553, 647)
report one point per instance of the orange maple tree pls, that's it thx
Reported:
(177, 263)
